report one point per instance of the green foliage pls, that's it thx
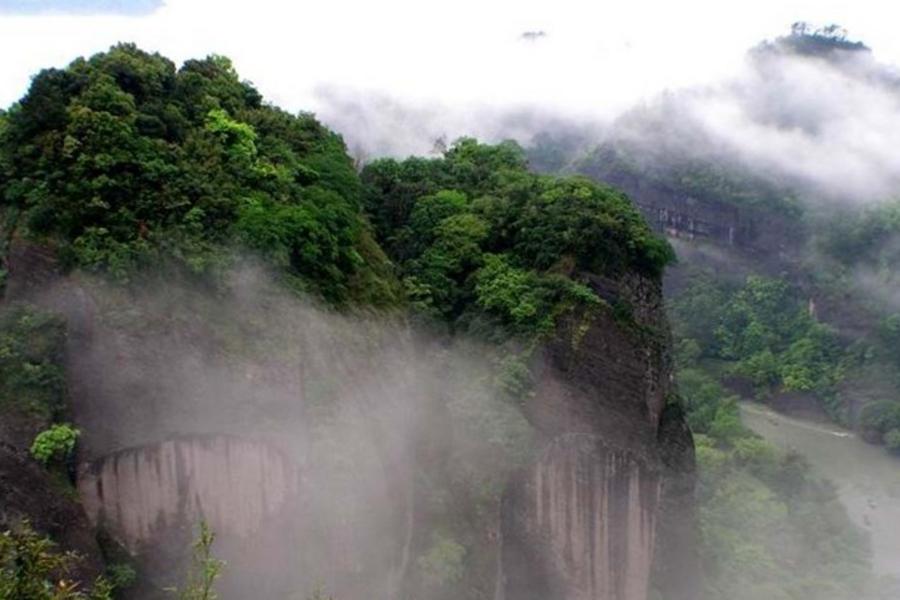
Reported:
(32, 569)
(126, 163)
(864, 236)
(121, 576)
(892, 440)
(442, 563)
(56, 444)
(764, 332)
(769, 528)
(889, 332)
(474, 233)
(880, 417)
(319, 594)
(204, 569)
(806, 40)
(669, 168)
(32, 346)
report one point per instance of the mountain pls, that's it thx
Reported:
(784, 293)
(437, 377)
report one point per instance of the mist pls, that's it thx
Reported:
(357, 452)
(327, 451)
(822, 125)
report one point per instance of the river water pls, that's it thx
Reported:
(867, 477)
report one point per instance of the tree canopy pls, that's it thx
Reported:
(123, 161)
(476, 231)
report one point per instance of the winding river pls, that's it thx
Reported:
(867, 477)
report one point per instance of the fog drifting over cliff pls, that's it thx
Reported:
(297, 433)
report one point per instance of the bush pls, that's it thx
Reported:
(125, 162)
(56, 444)
(205, 569)
(881, 416)
(892, 440)
(476, 234)
(442, 564)
(32, 569)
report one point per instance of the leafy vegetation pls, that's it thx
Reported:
(861, 249)
(761, 332)
(31, 568)
(475, 235)
(806, 40)
(125, 162)
(680, 174)
(56, 444)
(32, 344)
(769, 528)
(204, 569)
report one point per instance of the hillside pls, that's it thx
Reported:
(368, 382)
(784, 293)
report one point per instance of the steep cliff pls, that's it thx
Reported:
(232, 484)
(508, 412)
(584, 520)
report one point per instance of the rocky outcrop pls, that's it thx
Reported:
(30, 493)
(676, 571)
(583, 522)
(602, 512)
(750, 228)
(233, 484)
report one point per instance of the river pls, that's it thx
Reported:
(867, 477)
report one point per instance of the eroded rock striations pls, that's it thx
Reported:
(592, 517)
(604, 511)
(231, 483)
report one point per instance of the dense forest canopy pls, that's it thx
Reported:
(476, 229)
(123, 161)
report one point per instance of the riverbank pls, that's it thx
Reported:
(867, 479)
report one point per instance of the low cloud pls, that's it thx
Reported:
(825, 125)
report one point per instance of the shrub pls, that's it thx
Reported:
(442, 564)
(204, 570)
(892, 440)
(32, 569)
(55, 444)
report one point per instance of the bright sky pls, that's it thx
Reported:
(596, 56)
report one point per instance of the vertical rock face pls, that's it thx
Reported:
(582, 522)
(140, 494)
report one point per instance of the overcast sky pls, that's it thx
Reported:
(597, 56)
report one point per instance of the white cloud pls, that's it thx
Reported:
(597, 55)
(435, 68)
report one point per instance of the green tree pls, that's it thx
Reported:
(126, 163)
